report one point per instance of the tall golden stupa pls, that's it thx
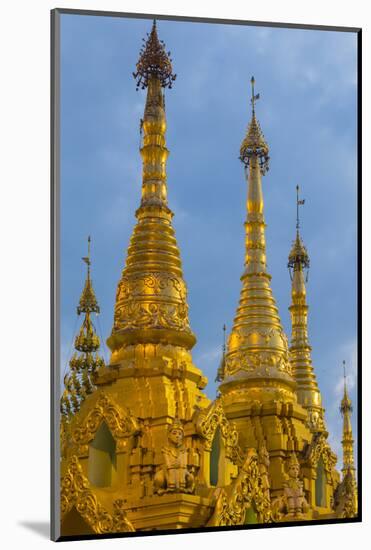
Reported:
(142, 446)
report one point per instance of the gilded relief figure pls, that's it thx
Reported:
(293, 504)
(174, 476)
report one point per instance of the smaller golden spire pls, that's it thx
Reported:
(308, 393)
(257, 351)
(346, 404)
(88, 301)
(346, 410)
(221, 370)
(348, 469)
(84, 363)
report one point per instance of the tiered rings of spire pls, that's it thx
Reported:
(151, 300)
(257, 352)
(307, 390)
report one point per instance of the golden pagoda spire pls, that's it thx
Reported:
(85, 362)
(346, 410)
(151, 300)
(307, 391)
(257, 352)
(221, 370)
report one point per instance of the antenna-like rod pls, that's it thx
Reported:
(298, 203)
(254, 97)
(86, 259)
(345, 376)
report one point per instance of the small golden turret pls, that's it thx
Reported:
(347, 442)
(307, 391)
(257, 352)
(86, 361)
(346, 494)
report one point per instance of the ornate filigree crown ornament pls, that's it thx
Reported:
(154, 60)
(298, 254)
(254, 143)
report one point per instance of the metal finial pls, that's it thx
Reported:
(154, 61)
(298, 203)
(86, 259)
(345, 375)
(298, 256)
(253, 96)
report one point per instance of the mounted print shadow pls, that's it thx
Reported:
(143, 443)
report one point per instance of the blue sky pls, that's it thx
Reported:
(307, 110)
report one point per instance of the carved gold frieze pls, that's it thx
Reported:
(246, 334)
(154, 284)
(252, 361)
(139, 315)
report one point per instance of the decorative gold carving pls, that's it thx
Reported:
(137, 315)
(154, 283)
(254, 144)
(120, 422)
(121, 523)
(242, 334)
(345, 497)
(251, 361)
(248, 490)
(154, 61)
(320, 448)
(207, 424)
(174, 475)
(76, 492)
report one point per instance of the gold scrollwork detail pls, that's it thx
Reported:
(250, 362)
(75, 492)
(243, 333)
(248, 490)
(154, 283)
(120, 422)
(210, 420)
(136, 315)
(319, 448)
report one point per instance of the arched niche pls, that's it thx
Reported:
(73, 524)
(320, 484)
(251, 515)
(102, 458)
(217, 460)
